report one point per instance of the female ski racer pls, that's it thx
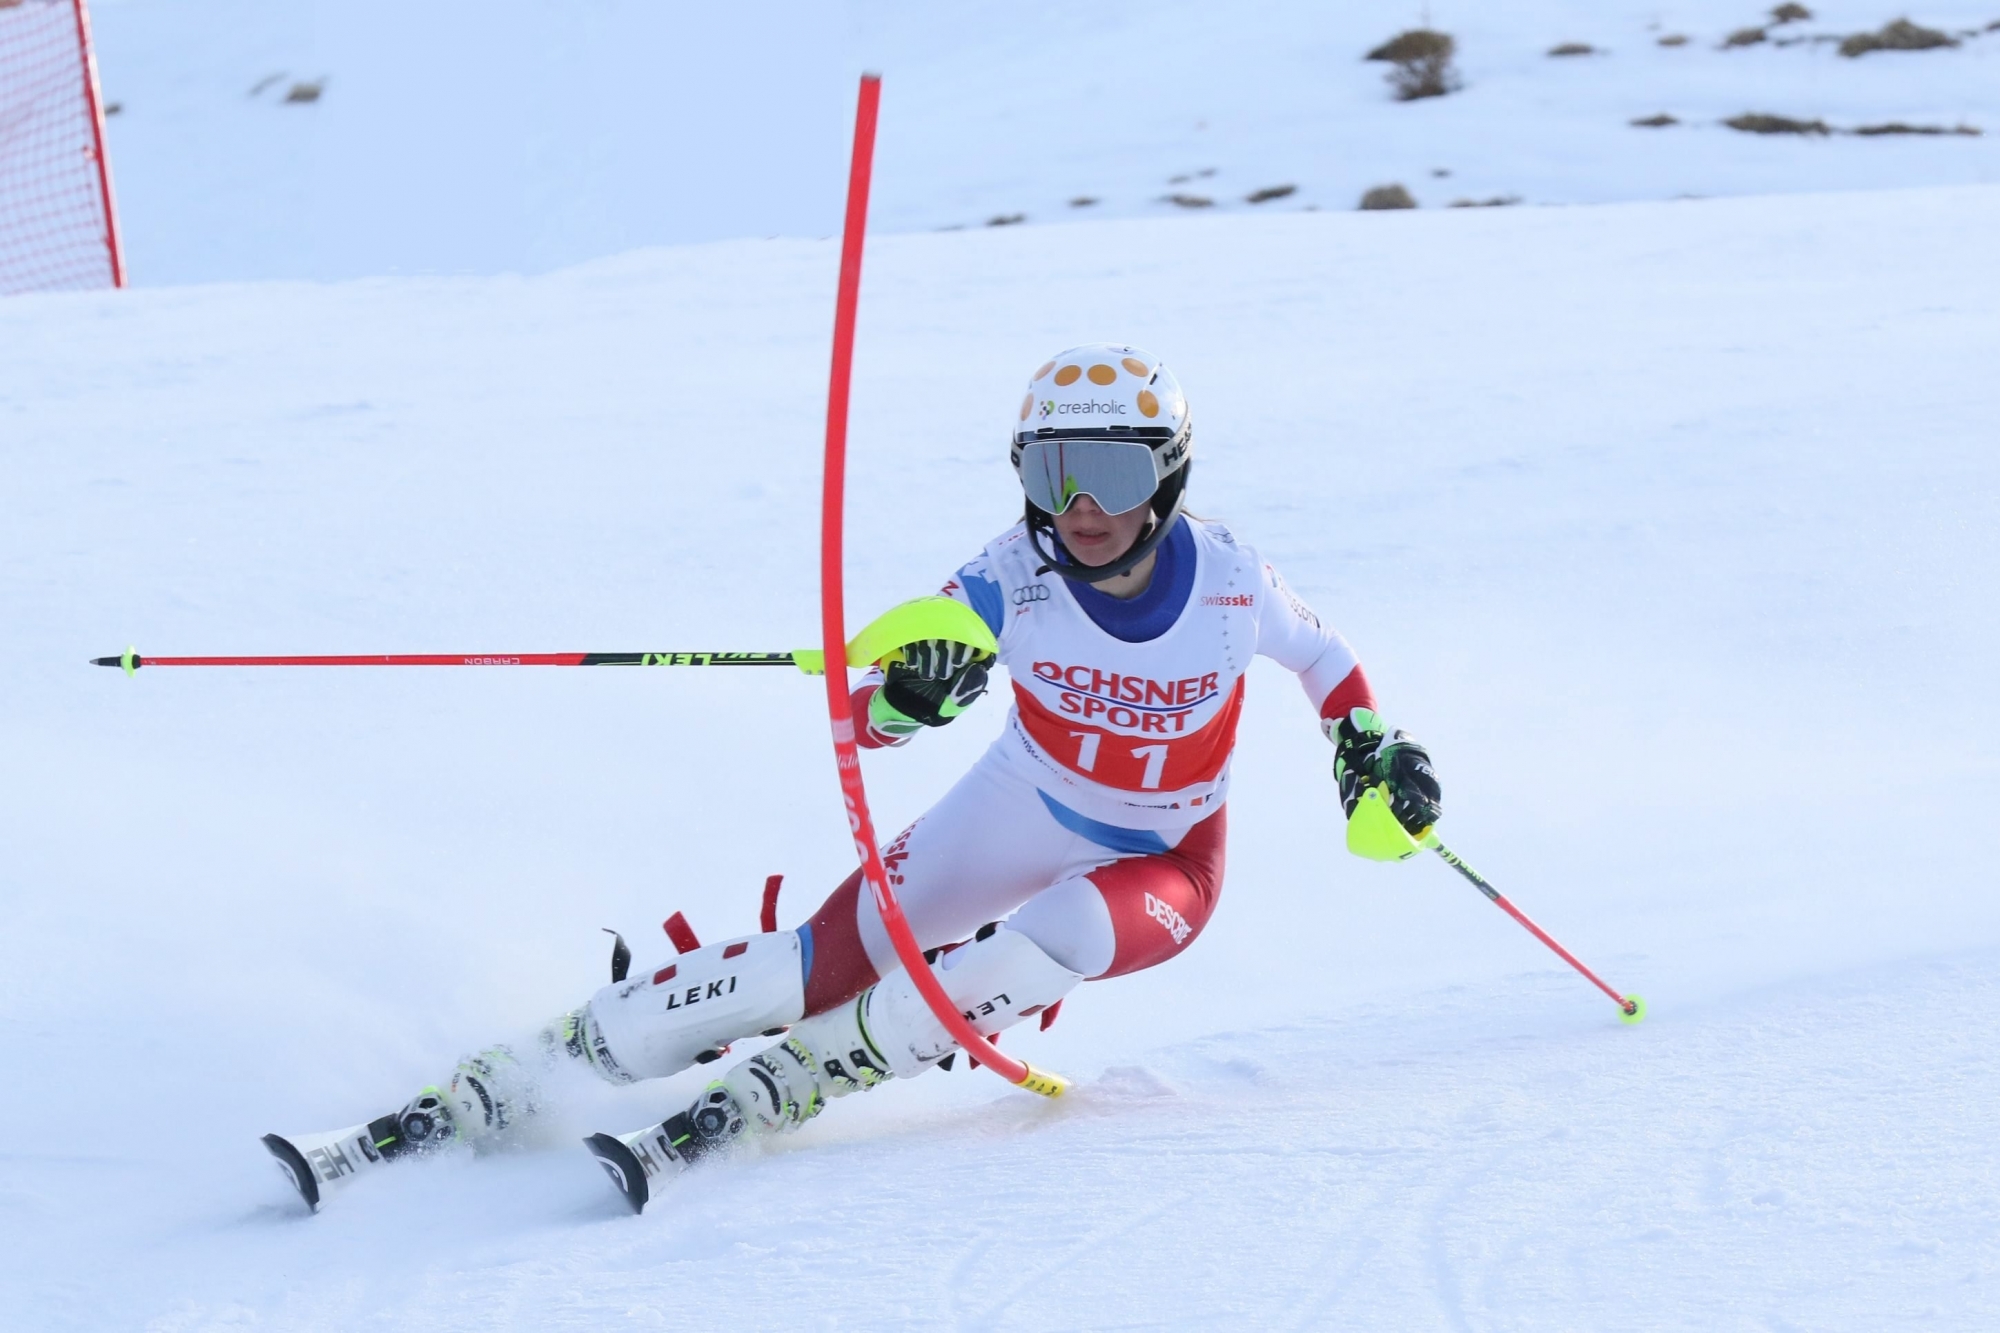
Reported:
(1087, 842)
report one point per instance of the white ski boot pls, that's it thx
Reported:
(888, 1031)
(683, 1013)
(486, 1093)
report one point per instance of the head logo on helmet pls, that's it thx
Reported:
(1110, 422)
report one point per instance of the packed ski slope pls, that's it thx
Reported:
(1670, 527)
(481, 136)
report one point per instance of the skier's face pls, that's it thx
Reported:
(1098, 538)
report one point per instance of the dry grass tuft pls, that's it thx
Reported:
(1190, 200)
(1268, 193)
(1658, 122)
(1790, 13)
(1433, 76)
(1573, 49)
(1674, 39)
(1387, 196)
(1416, 44)
(1898, 127)
(1744, 37)
(1083, 201)
(1902, 35)
(306, 93)
(1006, 219)
(1756, 122)
(1422, 60)
(1497, 201)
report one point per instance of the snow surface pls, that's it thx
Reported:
(481, 136)
(1671, 526)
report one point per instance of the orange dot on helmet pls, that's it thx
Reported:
(1136, 366)
(1027, 406)
(1068, 375)
(1149, 406)
(1043, 371)
(1102, 374)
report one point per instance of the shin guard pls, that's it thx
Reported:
(659, 1024)
(888, 1031)
(997, 980)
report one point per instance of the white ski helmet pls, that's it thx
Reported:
(1110, 422)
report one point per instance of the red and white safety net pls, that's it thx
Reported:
(57, 228)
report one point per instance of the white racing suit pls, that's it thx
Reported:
(1086, 842)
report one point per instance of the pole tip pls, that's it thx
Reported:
(1043, 1081)
(1632, 1009)
(129, 659)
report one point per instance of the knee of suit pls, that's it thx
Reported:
(1071, 923)
(836, 963)
(1159, 904)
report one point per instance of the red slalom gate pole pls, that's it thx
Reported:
(833, 621)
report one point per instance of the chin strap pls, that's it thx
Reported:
(1038, 522)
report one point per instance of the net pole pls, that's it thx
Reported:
(102, 157)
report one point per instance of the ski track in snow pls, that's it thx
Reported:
(1669, 526)
(1475, 1163)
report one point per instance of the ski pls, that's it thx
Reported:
(297, 1170)
(633, 1161)
(315, 1164)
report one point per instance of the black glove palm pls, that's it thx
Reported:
(1396, 761)
(935, 680)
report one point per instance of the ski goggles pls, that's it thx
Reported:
(1118, 474)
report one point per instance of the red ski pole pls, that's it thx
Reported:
(833, 620)
(1630, 1007)
(132, 661)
